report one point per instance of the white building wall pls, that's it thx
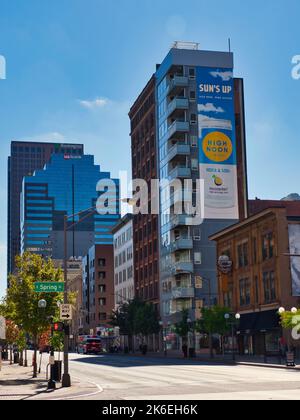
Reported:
(123, 264)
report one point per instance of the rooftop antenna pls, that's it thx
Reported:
(229, 44)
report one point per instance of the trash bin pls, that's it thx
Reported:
(16, 358)
(192, 353)
(57, 370)
(290, 359)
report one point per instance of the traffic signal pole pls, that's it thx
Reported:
(51, 382)
(66, 379)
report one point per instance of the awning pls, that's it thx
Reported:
(259, 322)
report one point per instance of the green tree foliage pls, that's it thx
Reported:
(21, 302)
(290, 320)
(213, 321)
(183, 328)
(136, 318)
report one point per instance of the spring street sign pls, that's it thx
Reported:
(49, 287)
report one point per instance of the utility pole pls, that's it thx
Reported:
(66, 379)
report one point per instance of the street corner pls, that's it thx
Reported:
(79, 390)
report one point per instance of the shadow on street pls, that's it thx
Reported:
(122, 361)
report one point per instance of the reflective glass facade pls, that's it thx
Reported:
(67, 185)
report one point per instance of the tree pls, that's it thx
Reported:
(12, 333)
(146, 321)
(290, 321)
(135, 318)
(183, 327)
(213, 322)
(21, 302)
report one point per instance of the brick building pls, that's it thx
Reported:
(261, 280)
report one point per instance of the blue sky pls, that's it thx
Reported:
(74, 68)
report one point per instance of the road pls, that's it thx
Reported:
(136, 378)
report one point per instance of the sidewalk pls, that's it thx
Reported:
(16, 383)
(259, 361)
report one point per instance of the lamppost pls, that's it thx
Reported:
(232, 320)
(282, 310)
(66, 379)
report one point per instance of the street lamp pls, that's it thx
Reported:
(42, 304)
(232, 322)
(66, 379)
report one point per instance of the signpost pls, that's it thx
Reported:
(49, 287)
(65, 312)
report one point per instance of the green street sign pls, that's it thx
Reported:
(49, 287)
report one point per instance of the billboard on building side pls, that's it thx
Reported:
(294, 239)
(217, 142)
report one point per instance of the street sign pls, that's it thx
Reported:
(65, 312)
(2, 328)
(49, 287)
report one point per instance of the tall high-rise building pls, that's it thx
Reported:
(24, 159)
(144, 166)
(67, 185)
(197, 108)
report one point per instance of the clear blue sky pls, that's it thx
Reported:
(75, 66)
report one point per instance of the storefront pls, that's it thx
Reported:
(259, 333)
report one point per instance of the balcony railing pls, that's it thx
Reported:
(177, 104)
(183, 293)
(178, 150)
(182, 244)
(181, 267)
(180, 172)
(178, 82)
(178, 127)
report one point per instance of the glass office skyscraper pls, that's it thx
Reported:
(25, 158)
(66, 186)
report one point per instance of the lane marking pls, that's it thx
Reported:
(100, 390)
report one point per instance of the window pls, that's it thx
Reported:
(102, 316)
(192, 95)
(101, 262)
(268, 246)
(197, 234)
(192, 73)
(102, 288)
(198, 282)
(193, 119)
(116, 279)
(243, 255)
(129, 272)
(194, 141)
(194, 164)
(102, 301)
(101, 275)
(256, 289)
(245, 293)
(198, 257)
(269, 287)
(254, 244)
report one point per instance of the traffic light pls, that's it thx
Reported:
(58, 327)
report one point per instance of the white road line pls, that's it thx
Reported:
(100, 390)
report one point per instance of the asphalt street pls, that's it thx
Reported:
(136, 378)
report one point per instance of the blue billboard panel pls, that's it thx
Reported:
(217, 142)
